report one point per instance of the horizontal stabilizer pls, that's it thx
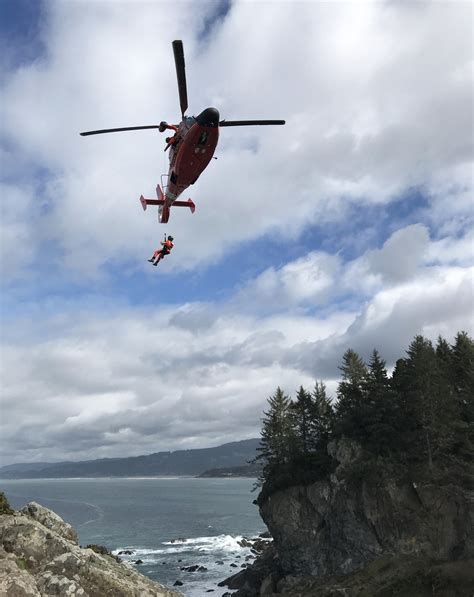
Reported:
(189, 203)
(146, 202)
(152, 202)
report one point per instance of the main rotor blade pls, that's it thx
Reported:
(248, 122)
(127, 128)
(180, 73)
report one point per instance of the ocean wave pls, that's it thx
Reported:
(218, 544)
(213, 543)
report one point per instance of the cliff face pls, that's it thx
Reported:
(337, 526)
(39, 556)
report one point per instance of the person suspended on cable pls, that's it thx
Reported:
(158, 255)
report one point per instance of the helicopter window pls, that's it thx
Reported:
(173, 177)
(203, 138)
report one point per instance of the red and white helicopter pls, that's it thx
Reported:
(191, 147)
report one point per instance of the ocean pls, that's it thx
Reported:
(168, 523)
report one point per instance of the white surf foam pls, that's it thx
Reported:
(213, 543)
(218, 544)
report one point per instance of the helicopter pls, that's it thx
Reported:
(191, 148)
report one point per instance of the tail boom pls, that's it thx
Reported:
(164, 204)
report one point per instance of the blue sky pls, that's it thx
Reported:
(349, 227)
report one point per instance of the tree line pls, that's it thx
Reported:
(421, 416)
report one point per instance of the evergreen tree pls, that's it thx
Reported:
(277, 435)
(322, 419)
(407, 419)
(301, 415)
(381, 413)
(424, 413)
(462, 385)
(446, 382)
(421, 387)
(351, 395)
(463, 375)
(445, 361)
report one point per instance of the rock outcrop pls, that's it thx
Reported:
(347, 536)
(39, 557)
(341, 524)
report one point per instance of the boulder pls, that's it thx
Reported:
(249, 580)
(15, 580)
(50, 520)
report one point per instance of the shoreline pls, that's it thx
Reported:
(164, 477)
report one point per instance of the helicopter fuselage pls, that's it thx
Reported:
(191, 153)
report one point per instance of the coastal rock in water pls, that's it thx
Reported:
(249, 580)
(39, 556)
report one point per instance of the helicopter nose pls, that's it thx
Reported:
(208, 117)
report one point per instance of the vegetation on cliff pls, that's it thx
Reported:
(421, 417)
(4, 505)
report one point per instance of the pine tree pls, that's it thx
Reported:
(463, 374)
(381, 410)
(408, 422)
(424, 413)
(445, 360)
(277, 436)
(322, 419)
(351, 395)
(446, 382)
(420, 386)
(301, 416)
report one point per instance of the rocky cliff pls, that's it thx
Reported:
(338, 525)
(346, 535)
(40, 556)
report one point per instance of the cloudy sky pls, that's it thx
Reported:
(351, 226)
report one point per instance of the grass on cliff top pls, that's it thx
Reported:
(4, 505)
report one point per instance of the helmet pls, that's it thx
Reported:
(170, 238)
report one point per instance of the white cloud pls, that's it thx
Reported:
(367, 117)
(401, 254)
(136, 381)
(309, 280)
(18, 241)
